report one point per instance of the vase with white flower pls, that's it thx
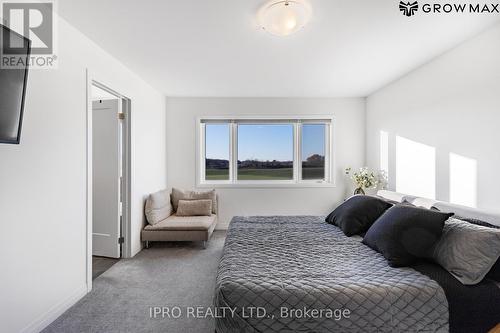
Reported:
(363, 179)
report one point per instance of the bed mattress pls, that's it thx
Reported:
(300, 274)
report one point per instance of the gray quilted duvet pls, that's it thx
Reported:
(275, 271)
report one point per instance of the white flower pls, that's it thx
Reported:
(365, 178)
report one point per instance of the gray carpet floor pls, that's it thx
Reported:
(166, 275)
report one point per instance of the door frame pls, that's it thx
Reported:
(126, 103)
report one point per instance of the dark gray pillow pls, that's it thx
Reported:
(357, 214)
(494, 273)
(467, 251)
(404, 234)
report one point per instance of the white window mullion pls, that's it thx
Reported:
(328, 153)
(297, 163)
(233, 154)
(202, 157)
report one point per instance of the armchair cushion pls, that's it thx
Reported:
(158, 207)
(184, 223)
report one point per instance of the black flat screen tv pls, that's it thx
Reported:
(14, 60)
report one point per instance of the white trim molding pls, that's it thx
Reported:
(94, 79)
(53, 313)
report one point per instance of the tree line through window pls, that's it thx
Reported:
(266, 151)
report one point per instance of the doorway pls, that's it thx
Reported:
(108, 178)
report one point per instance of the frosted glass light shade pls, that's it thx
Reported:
(282, 18)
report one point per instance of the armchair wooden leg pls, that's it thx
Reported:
(204, 244)
(147, 244)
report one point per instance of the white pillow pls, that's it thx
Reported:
(391, 195)
(470, 213)
(158, 207)
(421, 202)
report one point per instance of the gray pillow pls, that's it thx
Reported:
(158, 207)
(178, 194)
(467, 251)
(194, 208)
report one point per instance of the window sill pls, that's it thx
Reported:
(266, 185)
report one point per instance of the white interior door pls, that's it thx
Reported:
(106, 178)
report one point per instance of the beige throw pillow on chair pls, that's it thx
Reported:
(194, 208)
(178, 194)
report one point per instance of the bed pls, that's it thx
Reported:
(275, 271)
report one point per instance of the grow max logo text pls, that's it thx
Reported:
(409, 8)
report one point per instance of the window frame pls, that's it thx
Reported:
(296, 121)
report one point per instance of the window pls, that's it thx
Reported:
(313, 151)
(265, 151)
(217, 152)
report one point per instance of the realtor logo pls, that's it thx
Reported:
(32, 20)
(35, 21)
(408, 9)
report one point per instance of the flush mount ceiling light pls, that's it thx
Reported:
(282, 17)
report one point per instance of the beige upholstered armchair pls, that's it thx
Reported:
(180, 216)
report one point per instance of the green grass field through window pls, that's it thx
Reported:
(266, 174)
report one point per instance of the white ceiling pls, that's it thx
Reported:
(215, 48)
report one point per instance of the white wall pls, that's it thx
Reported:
(451, 104)
(43, 181)
(181, 141)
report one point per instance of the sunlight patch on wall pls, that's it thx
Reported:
(415, 168)
(384, 151)
(463, 180)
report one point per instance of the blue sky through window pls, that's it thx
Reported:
(313, 140)
(264, 142)
(217, 141)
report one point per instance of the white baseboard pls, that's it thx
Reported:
(47, 318)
